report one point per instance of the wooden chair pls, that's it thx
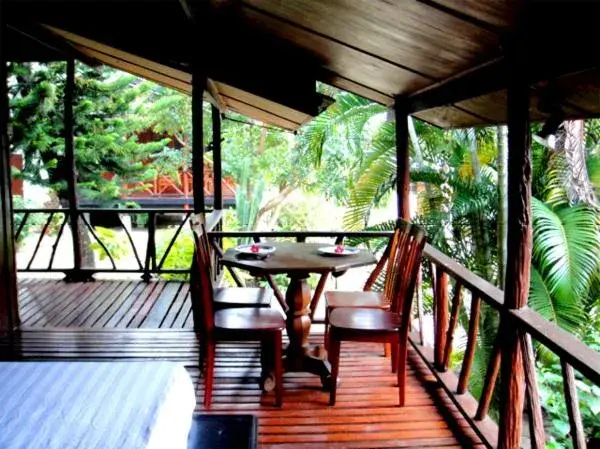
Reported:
(383, 326)
(234, 324)
(367, 298)
(226, 297)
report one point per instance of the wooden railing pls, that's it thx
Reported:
(151, 264)
(452, 285)
(573, 354)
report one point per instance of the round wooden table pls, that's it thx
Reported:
(298, 261)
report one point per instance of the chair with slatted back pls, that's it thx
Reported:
(367, 298)
(227, 297)
(233, 324)
(378, 325)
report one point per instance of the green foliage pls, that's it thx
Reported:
(105, 139)
(566, 256)
(33, 223)
(116, 245)
(181, 253)
(551, 389)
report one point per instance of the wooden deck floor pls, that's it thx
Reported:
(125, 320)
(104, 304)
(365, 416)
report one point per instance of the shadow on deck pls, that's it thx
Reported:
(365, 415)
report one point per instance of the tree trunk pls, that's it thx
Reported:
(481, 235)
(572, 144)
(502, 202)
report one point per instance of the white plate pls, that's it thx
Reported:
(330, 251)
(263, 250)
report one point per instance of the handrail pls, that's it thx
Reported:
(484, 289)
(149, 266)
(565, 345)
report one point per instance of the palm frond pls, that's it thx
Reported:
(566, 248)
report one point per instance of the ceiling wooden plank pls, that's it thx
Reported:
(409, 34)
(348, 63)
(495, 13)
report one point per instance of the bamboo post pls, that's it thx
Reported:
(9, 310)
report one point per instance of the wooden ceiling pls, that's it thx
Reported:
(263, 57)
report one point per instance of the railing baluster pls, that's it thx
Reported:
(55, 245)
(130, 238)
(102, 245)
(21, 225)
(41, 237)
(172, 242)
(301, 239)
(572, 402)
(150, 260)
(491, 376)
(441, 318)
(471, 345)
(456, 303)
(419, 289)
(536, 419)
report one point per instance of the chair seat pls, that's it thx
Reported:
(249, 319)
(375, 320)
(368, 300)
(226, 297)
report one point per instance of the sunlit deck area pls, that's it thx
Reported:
(366, 414)
(104, 304)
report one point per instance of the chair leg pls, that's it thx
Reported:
(394, 350)
(386, 350)
(278, 353)
(334, 359)
(402, 360)
(326, 334)
(209, 372)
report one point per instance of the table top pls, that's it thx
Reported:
(298, 258)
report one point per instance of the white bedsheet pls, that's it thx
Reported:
(95, 405)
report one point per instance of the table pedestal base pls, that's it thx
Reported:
(299, 356)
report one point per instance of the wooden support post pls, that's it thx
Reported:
(198, 86)
(217, 165)
(516, 287)
(402, 159)
(9, 309)
(71, 171)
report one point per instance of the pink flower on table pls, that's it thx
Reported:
(255, 248)
(339, 249)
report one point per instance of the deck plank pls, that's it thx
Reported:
(365, 416)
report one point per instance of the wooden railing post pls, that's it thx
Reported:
(198, 87)
(9, 310)
(441, 317)
(71, 171)
(217, 165)
(402, 159)
(519, 241)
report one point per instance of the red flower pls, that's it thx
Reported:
(255, 248)
(339, 249)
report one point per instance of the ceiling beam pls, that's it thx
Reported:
(492, 77)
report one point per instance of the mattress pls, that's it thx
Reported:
(95, 405)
